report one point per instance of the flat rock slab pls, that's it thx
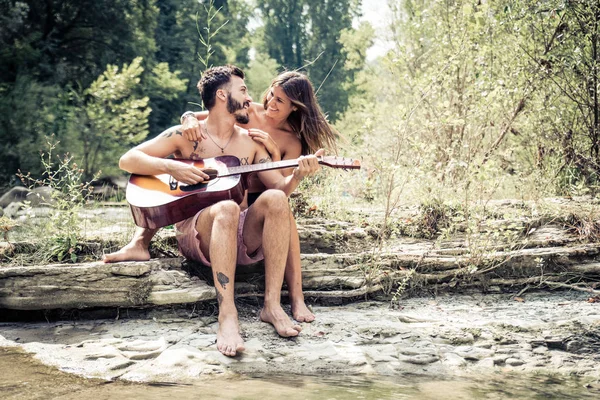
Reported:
(164, 281)
(75, 286)
(444, 337)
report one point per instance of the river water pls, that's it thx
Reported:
(23, 377)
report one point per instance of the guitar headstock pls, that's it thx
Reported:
(339, 162)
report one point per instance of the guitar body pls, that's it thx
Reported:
(157, 201)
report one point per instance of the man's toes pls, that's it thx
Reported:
(297, 327)
(226, 351)
(290, 332)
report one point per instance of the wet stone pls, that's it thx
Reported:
(453, 360)
(422, 359)
(499, 360)
(473, 353)
(381, 355)
(486, 363)
(414, 351)
(573, 346)
(514, 362)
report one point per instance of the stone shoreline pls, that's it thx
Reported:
(161, 324)
(451, 335)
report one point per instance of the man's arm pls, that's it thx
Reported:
(149, 158)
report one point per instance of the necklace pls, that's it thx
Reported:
(216, 144)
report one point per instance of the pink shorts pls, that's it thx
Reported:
(188, 239)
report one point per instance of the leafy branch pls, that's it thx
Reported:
(211, 13)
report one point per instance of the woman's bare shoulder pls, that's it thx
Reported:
(289, 144)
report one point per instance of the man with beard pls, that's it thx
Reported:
(221, 236)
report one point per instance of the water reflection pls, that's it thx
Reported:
(22, 377)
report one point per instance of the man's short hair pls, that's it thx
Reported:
(214, 79)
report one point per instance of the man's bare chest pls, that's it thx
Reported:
(207, 148)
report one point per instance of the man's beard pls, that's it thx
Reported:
(233, 106)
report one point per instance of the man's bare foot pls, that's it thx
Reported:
(229, 341)
(279, 319)
(301, 313)
(130, 252)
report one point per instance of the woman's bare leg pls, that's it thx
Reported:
(293, 277)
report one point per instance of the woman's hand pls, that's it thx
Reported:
(191, 129)
(265, 139)
(308, 165)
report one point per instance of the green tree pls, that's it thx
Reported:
(66, 41)
(259, 74)
(300, 33)
(329, 20)
(48, 47)
(560, 41)
(114, 116)
(177, 36)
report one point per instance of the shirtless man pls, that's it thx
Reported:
(288, 104)
(220, 235)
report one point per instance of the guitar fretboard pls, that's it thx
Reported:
(244, 169)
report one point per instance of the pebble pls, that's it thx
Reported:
(453, 360)
(487, 363)
(473, 353)
(514, 362)
(422, 359)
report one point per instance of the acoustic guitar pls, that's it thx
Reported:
(159, 200)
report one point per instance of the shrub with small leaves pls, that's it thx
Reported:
(69, 195)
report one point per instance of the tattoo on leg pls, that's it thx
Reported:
(219, 296)
(223, 279)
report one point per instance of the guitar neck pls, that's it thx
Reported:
(244, 169)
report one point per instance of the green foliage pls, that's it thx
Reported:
(114, 116)
(475, 102)
(51, 53)
(308, 36)
(259, 74)
(27, 108)
(207, 33)
(69, 194)
(162, 83)
(66, 41)
(177, 37)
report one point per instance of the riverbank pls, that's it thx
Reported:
(450, 336)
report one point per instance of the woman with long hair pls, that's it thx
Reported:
(290, 124)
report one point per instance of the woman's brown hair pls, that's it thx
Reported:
(308, 121)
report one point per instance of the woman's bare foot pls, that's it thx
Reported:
(301, 312)
(279, 319)
(131, 252)
(229, 340)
